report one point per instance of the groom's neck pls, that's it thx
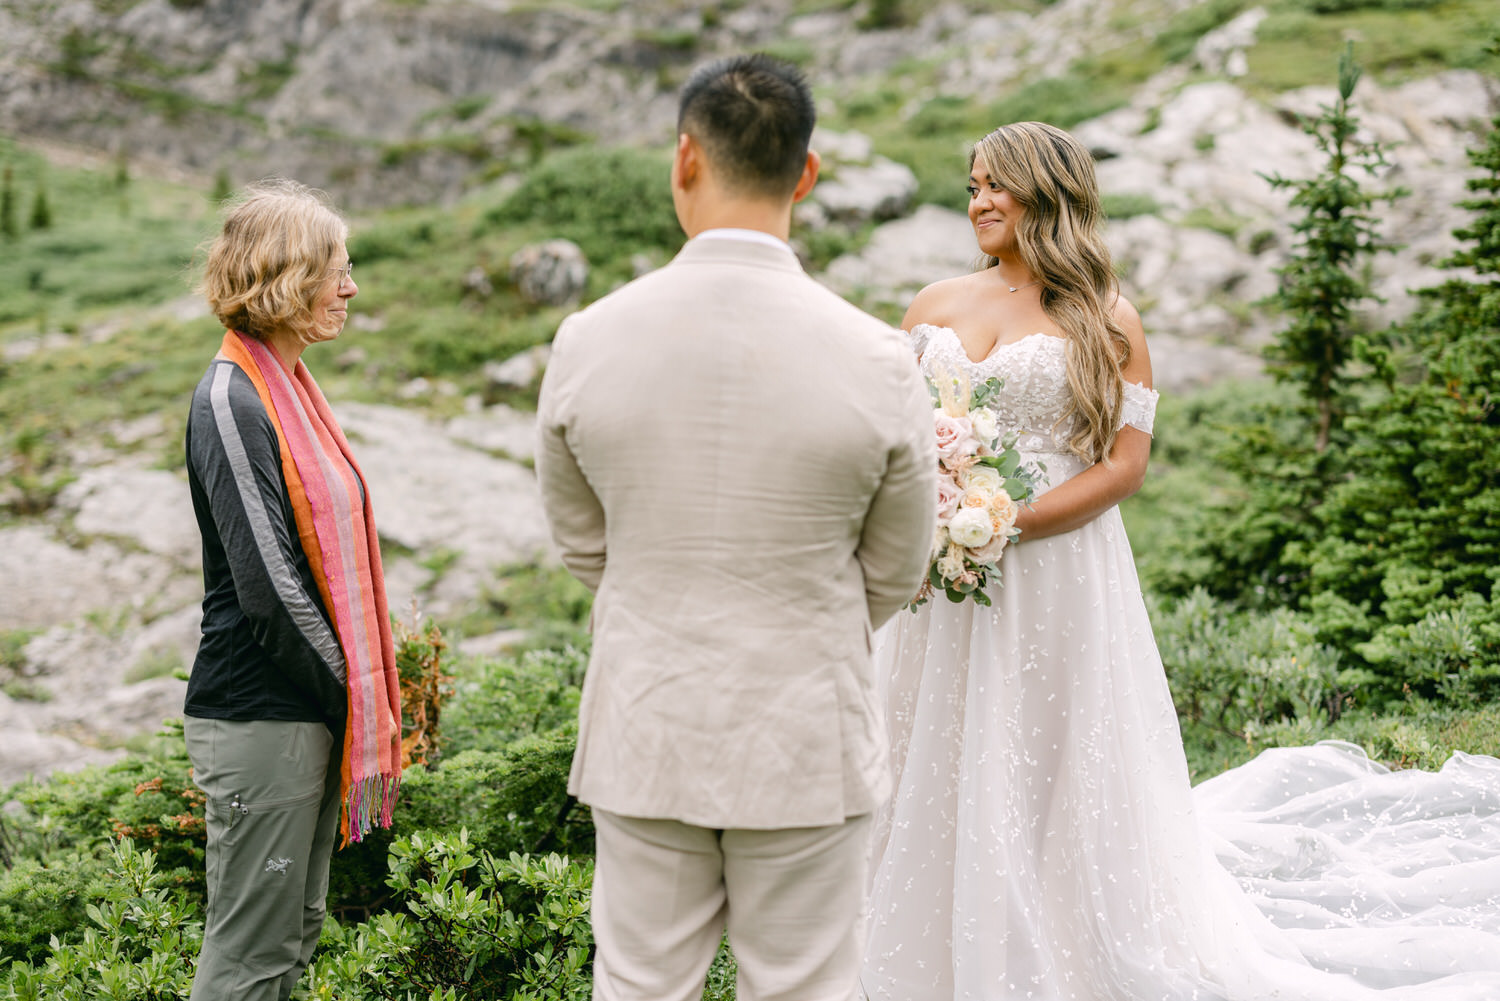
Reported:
(774, 218)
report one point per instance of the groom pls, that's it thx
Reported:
(741, 466)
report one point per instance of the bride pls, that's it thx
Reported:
(1043, 840)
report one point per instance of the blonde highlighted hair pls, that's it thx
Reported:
(1051, 175)
(270, 263)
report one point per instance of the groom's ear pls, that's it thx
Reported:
(809, 176)
(687, 162)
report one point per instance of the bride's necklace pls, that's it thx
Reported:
(1016, 288)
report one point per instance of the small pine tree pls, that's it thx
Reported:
(884, 14)
(1321, 283)
(223, 190)
(7, 205)
(41, 212)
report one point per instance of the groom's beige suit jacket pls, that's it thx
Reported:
(741, 466)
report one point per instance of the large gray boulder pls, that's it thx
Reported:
(553, 273)
(855, 193)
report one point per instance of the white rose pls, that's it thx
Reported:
(970, 527)
(986, 427)
(985, 478)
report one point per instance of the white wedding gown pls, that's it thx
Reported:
(1043, 841)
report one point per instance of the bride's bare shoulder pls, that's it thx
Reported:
(939, 303)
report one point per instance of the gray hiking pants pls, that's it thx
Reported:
(273, 807)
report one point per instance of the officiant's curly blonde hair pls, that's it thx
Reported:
(270, 263)
(1052, 175)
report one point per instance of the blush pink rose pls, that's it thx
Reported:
(948, 494)
(955, 436)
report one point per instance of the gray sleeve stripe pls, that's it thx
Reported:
(298, 603)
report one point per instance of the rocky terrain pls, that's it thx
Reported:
(406, 101)
(385, 101)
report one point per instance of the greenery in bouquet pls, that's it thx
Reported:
(982, 483)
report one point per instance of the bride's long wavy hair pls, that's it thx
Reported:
(1052, 175)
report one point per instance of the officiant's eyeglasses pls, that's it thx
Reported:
(344, 273)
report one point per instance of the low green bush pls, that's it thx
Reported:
(499, 702)
(140, 941)
(611, 202)
(513, 799)
(1420, 734)
(41, 901)
(471, 925)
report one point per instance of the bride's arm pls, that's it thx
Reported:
(1103, 485)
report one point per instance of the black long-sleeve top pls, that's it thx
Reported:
(268, 650)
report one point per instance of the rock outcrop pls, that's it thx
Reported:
(553, 273)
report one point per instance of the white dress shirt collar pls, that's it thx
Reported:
(749, 235)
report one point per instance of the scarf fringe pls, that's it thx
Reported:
(368, 803)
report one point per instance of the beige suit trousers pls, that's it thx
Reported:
(792, 901)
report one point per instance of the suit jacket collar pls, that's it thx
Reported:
(741, 252)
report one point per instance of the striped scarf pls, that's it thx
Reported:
(337, 532)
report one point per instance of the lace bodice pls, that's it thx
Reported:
(1036, 395)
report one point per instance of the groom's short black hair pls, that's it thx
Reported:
(753, 115)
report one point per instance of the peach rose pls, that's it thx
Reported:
(1003, 513)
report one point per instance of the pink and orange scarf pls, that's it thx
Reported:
(337, 532)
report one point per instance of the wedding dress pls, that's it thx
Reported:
(1043, 841)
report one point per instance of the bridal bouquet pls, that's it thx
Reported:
(981, 485)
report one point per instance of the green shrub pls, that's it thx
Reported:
(611, 202)
(1340, 6)
(387, 240)
(1180, 35)
(43, 900)
(543, 599)
(1127, 205)
(8, 204)
(1063, 101)
(142, 938)
(58, 840)
(474, 926)
(1419, 734)
(885, 14)
(1231, 672)
(499, 702)
(515, 799)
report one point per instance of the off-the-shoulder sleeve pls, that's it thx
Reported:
(1139, 407)
(918, 337)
